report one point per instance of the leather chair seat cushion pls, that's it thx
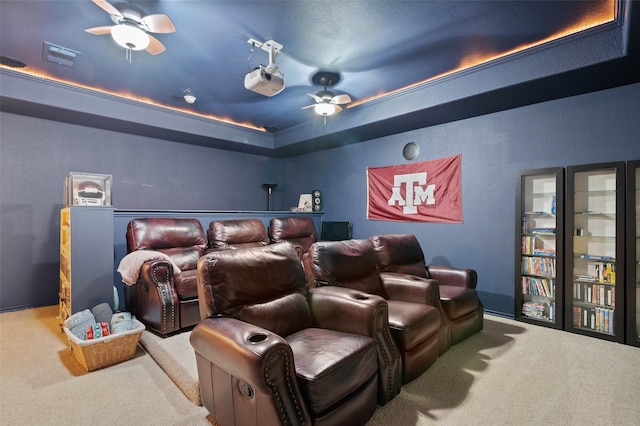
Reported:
(330, 365)
(412, 323)
(458, 301)
(186, 285)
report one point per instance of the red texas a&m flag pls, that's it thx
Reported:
(430, 191)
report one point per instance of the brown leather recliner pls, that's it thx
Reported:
(458, 296)
(299, 231)
(165, 301)
(236, 233)
(414, 321)
(270, 351)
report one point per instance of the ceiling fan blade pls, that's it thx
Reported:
(158, 23)
(338, 108)
(317, 98)
(155, 47)
(99, 30)
(341, 99)
(309, 106)
(108, 7)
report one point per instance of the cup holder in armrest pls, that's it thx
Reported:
(361, 296)
(257, 338)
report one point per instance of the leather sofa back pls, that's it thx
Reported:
(264, 286)
(299, 231)
(183, 240)
(399, 253)
(349, 263)
(237, 233)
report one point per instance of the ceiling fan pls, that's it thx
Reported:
(188, 97)
(327, 103)
(132, 27)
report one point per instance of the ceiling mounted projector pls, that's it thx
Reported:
(265, 80)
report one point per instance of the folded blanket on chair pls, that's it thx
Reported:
(130, 265)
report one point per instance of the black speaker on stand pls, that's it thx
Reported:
(316, 194)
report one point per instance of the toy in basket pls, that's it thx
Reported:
(102, 352)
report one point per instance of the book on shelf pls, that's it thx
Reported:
(594, 293)
(537, 310)
(543, 230)
(544, 252)
(597, 319)
(594, 257)
(538, 286)
(543, 266)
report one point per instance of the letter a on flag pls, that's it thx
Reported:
(430, 191)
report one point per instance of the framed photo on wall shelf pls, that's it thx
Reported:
(305, 203)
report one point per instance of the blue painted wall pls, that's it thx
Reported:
(592, 128)
(36, 155)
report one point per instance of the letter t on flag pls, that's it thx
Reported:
(430, 191)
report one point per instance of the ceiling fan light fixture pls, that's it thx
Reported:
(189, 97)
(326, 109)
(130, 37)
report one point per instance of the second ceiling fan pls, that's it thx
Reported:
(327, 103)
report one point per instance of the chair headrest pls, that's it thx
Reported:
(162, 233)
(399, 253)
(232, 279)
(283, 228)
(237, 233)
(348, 263)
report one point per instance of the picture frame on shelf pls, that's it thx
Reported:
(305, 203)
(87, 189)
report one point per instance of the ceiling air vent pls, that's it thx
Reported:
(59, 55)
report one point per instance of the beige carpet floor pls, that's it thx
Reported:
(176, 357)
(41, 383)
(509, 374)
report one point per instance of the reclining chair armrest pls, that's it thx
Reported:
(352, 311)
(156, 271)
(260, 358)
(411, 288)
(153, 299)
(448, 275)
(239, 348)
(347, 310)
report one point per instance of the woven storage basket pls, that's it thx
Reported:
(105, 351)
